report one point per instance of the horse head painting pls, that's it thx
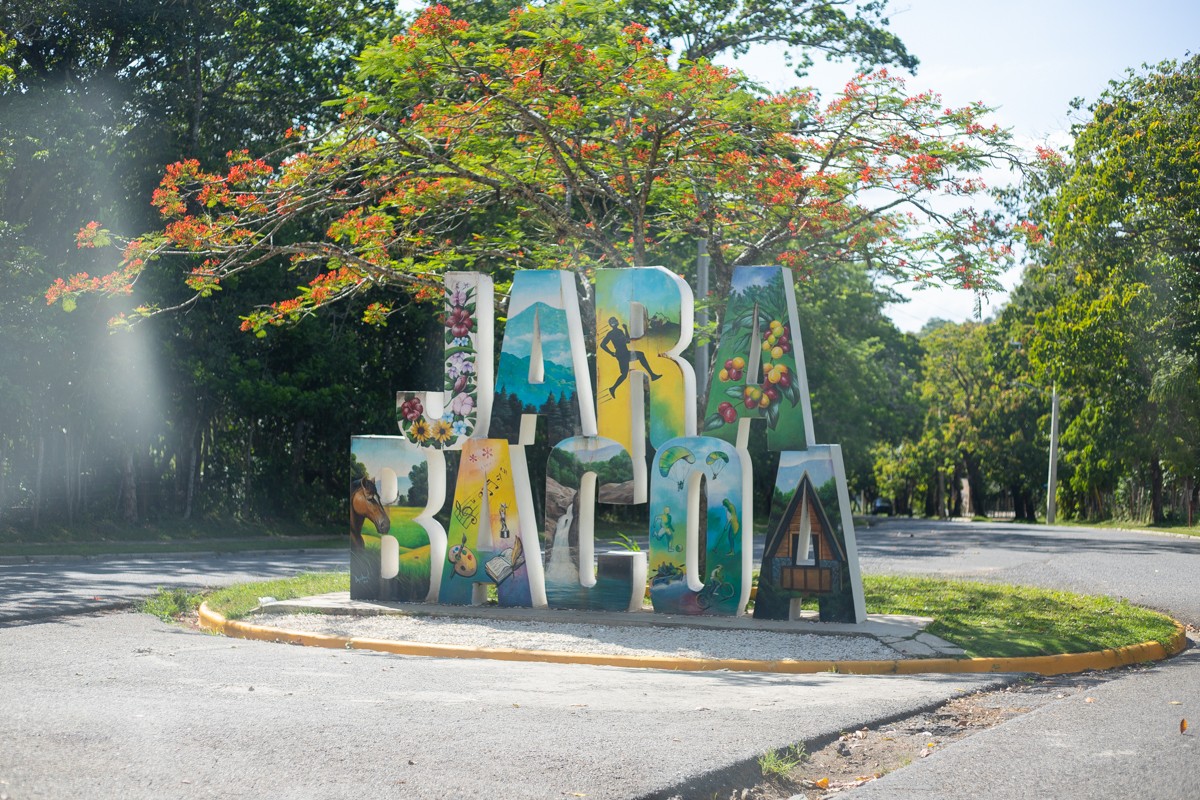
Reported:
(366, 505)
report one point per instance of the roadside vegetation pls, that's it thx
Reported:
(189, 418)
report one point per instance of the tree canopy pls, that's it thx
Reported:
(608, 153)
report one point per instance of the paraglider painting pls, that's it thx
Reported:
(678, 582)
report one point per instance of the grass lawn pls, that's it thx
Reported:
(986, 620)
(996, 620)
(1131, 525)
(235, 602)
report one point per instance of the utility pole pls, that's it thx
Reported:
(1052, 480)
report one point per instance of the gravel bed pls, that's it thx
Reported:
(584, 638)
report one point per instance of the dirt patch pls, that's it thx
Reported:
(858, 757)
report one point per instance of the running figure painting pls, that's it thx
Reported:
(634, 418)
(616, 344)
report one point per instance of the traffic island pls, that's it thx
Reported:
(882, 645)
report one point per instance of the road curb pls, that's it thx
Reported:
(1043, 665)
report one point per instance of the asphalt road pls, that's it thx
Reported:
(56, 586)
(120, 705)
(1122, 743)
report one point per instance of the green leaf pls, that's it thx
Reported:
(772, 415)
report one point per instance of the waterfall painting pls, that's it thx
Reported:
(580, 471)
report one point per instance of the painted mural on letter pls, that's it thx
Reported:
(759, 368)
(810, 548)
(445, 419)
(688, 576)
(490, 540)
(543, 367)
(579, 472)
(394, 538)
(643, 322)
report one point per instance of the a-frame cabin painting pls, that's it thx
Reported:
(805, 555)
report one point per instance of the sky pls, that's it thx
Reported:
(1027, 58)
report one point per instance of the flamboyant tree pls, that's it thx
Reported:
(558, 139)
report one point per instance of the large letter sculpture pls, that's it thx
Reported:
(444, 420)
(579, 470)
(760, 374)
(383, 563)
(493, 537)
(395, 541)
(759, 371)
(810, 547)
(676, 587)
(643, 323)
(543, 368)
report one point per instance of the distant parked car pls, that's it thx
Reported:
(882, 506)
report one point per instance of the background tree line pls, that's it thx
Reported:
(186, 416)
(1108, 312)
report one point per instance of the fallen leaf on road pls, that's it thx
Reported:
(1183, 726)
(1089, 699)
(1176, 702)
(822, 783)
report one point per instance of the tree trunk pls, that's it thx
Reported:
(127, 500)
(975, 482)
(68, 483)
(3, 481)
(37, 481)
(80, 483)
(1156, 490)
(247, 466)
(193, 467)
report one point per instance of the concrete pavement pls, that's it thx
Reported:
(42, 588)
(121, 705)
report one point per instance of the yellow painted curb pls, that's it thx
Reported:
(1044, 665)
